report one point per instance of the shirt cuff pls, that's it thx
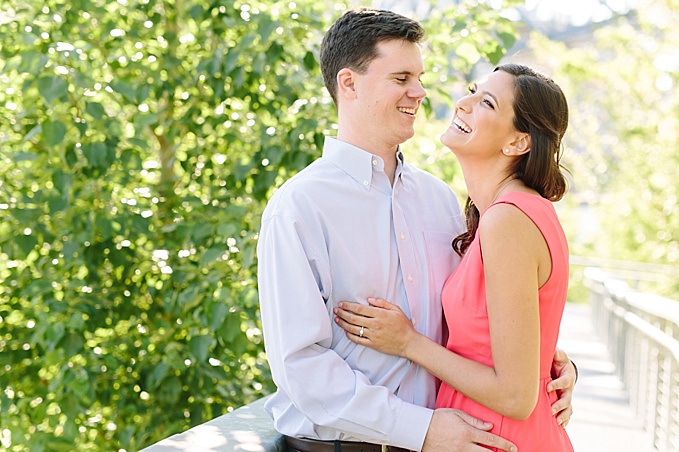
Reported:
(411, 427)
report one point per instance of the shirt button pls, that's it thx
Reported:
(403, 236)
(410, 278)
(374, 162)
(365, 182)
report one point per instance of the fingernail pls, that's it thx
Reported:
(371, 299)
(553, 411)
(339, 304)
(334, 310)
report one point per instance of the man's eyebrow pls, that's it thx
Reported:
(406, 73)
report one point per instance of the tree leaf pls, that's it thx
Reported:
(508, 39)
(157, 375)
(33, 132)
(95, 109)
(52, 88)
(32, 61)
(200, 347)
(99, 155)
(310, 61)
(124, 88)
(217, 314)
(53, 131)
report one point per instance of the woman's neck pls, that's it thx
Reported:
(485, 187)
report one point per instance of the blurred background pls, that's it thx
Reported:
(140, 140)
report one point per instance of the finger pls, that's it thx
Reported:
(560, 357)
(565, 382)
(559, 406)
(380, 303)
(565, 416)
(351, 306)
(350, 328)
(353, 332)
(563, 403)
(474, 421)
(488, 439)
(350, 317)
(358, 309)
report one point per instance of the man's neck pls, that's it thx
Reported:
(386, 154)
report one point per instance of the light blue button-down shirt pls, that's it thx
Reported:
(337, 231)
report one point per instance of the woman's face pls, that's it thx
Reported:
(483, 120)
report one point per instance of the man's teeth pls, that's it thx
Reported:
(410, 111)
(462, 126)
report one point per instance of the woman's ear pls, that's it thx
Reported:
(346, 83)
(519, 146)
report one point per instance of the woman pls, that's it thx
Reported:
(504, 302)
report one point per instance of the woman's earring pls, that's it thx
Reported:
(506, 150)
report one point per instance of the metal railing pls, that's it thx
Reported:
(641, 332)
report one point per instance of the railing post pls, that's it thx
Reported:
(663, 405)
(673, 418)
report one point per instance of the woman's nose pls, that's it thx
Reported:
(463, 104)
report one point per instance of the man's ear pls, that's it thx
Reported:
(346, 83)
(519, 146)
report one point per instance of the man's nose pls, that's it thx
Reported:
(418, 91)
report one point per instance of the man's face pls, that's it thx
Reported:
(388, 96)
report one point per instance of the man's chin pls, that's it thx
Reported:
(407, 135)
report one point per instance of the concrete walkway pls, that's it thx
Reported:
(602, 418)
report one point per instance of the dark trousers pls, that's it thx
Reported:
(312, 445)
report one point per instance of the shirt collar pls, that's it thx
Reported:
(356, 162)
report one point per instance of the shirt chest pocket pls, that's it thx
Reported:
(441, 258)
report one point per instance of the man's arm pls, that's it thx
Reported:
(565, 375)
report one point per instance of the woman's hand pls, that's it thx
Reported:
(382, 326)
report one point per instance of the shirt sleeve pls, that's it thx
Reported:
(294, 282)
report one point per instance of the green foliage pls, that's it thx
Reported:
(134, 171)
(140, 141)
(458, 38)
(622, 139)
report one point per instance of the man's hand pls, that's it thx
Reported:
(456, 431)
(564, 374)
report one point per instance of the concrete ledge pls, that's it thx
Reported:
(248, 429)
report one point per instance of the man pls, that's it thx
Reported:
(357, 223)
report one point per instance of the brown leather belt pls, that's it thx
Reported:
(312, 445)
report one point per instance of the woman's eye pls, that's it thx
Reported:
(471, 89)
(489, 103)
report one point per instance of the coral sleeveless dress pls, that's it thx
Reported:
(464, 304)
